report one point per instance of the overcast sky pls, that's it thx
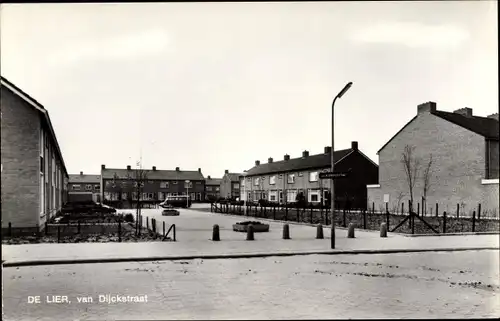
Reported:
(220, 85)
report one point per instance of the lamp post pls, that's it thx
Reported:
(245, 193)
(339, 95)
(187, 192)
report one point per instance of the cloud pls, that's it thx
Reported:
(128, 46)
(413, 35)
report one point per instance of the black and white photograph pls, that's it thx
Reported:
(250, 160)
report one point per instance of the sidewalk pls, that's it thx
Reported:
(194, 231)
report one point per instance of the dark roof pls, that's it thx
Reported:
(35, 104)
(77, 178)
(234, 177)
(109, 173)
(487, 127)
(297, 164)
(213, 181)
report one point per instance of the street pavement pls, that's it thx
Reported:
(194, 232)
(416, 285)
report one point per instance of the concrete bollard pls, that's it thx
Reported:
(215, 233)
(383, 230)
(319, 231)
(286, 232)
(250, 233)
(350, 231)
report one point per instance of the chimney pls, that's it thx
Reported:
(270, 160)
(286, 157)
(305, 153)
(354, 145)
(154, 168)
(81, 173)
(467, 112)
(493, 116)
(226, 171)
(103, 166)
(328, 150)
(177, 169)
(128, 167)
(208, 177)
(257, 163)
(428, 107)
(199, 170)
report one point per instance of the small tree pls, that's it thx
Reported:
(138, 179)
(411, 166)
(426, 177)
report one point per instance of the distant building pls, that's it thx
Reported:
(119, 185)
(84, 187)
(212, 188)
(283, 180)
(465, 164)
(230, 185)
(34, 176)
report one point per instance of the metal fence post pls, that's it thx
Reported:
(473, 221)
(119, 230)
(437, 210)
(458, 210)
(343, 218)
(479, 211)
(387, 215)
(311, 213)
(444, 222)
(364, 219)
(10, 229)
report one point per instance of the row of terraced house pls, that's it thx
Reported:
(464, 149)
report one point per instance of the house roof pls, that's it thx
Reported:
(122, 173)
(213, 181)
(33, 103)
(484, 126)
(301, 163)
(234, 177)
(85, 178)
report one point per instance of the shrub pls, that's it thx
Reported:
(129, 217)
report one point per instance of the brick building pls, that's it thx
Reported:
(34, 176)
(282, 181)
(464, 167)
(212, 188)
(230, 185)
(120, 185)
(84, 187)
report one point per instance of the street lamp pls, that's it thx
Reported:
(339, 95)
(187, 192)
(245, 193)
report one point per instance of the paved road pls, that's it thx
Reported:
(419, 285)
(194, 230)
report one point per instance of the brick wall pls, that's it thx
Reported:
(20, 138)
(458, 168)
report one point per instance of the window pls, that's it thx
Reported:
(256, 181)
(314, 196)
(76, 187)
(188, 185)
(124, 196)
(281, 196)
(291, 195)
(208, 188)
(280, 176)
(161, 196)
(291, 179)
(313, 176)
(88, 187)
(198, 183)
(300, 174)
(135, 184)
(236, 185)
(272, 180)
(174, 182)
(174, 194)
(272, 196)
(217, 189)
(164, 184)
(150, 182)
(242, 182)
(249, 196)
(97, 187)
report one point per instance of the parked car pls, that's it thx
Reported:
(177, 201)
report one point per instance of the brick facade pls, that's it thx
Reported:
(459, 163)
(27, 139)
(230, 185)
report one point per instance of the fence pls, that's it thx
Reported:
(81, 230)
(367, 219)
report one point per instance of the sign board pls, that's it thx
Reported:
(386, 198)
(333, 175)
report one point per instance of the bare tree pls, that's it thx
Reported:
(411, 167)
(427, 182)
(138, 179)
(398, 199)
